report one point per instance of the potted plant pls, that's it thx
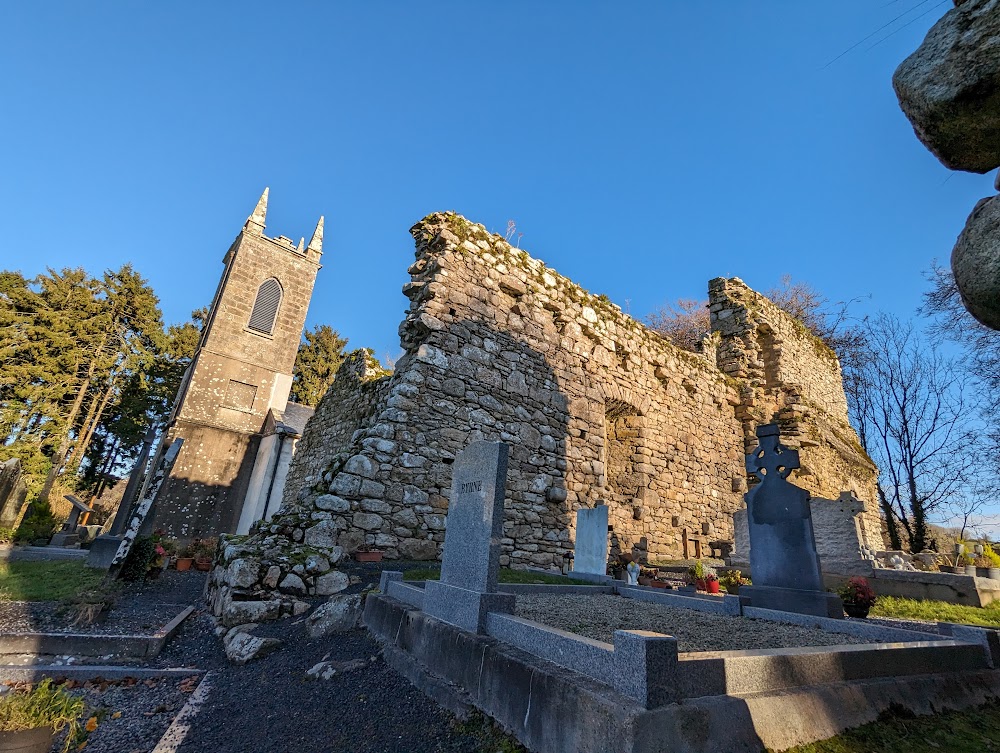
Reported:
(184, 558)
(731, 580)
(31, 717)
(364, 554)
(711, 581)
(993, 562)
(858, 596)
(204, 551)
(702, 575)
(616, 567)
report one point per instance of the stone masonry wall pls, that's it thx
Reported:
(358, 389)
(788, 374)
(597, 408)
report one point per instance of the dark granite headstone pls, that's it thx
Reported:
(467, 589)
(784, 564)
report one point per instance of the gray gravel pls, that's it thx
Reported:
(146, 709)
(142, 609)
(599, 616)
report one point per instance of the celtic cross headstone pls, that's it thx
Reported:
(784, 564)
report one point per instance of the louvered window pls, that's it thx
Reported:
(265, 308)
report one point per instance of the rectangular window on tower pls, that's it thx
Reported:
(240, 396)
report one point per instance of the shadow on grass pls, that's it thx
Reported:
(902, 732)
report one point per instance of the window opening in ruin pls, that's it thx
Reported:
(265, 307)
(765, 338)
(621, 440)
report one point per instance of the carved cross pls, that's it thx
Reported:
(775, 499)
(771, 456)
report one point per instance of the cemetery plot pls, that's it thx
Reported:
(140, 609)
(598, 616)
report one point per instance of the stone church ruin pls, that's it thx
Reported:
(597, 409)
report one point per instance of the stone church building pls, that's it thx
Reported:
(597, 408)
(232, 409)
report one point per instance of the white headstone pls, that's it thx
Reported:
(591, 552)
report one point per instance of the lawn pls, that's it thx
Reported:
(972, 730)
(506, 576)
(45, 581)
(936, 611)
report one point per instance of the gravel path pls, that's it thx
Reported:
(132, 716)
(270, 705)
(142, 609)
(599, 616)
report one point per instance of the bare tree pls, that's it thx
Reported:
(981, 345)
(913, 411)
(684, 323)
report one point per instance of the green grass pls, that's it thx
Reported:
(45, 581)
(936, 611)
(506, 576)
(971, 730)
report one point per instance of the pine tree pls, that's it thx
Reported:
(320, 355)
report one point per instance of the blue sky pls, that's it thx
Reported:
(641, 148)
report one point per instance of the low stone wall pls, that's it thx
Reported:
(264, 577)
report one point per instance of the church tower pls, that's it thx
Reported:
(240, 375)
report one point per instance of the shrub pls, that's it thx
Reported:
(6, 535)
(991, 556)
(857, 591)
(38, 523)
(43, 706)
(139, 558)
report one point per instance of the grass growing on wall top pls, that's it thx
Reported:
(45, 581)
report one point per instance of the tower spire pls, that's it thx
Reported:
(316, 242)
(255, 222)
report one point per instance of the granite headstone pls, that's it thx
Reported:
(590, 554)
(784, 564)
(466, 592)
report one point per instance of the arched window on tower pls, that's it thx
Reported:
(265, 308)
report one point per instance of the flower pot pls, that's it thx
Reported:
(700, 584)
(856, 610)
(368, 556)
(184, 563)
(970, 570)
(203, 563)
(645, 580)
(712, 586)
(37, 740)
(658, 583)
(994, 573)
(734, 590)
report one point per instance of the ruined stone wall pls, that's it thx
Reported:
(789, 375)
(359, 388)
(596, 408)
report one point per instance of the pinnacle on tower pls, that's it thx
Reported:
(316, 242)
(301, 248)
(259, 215)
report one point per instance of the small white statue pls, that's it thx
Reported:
(633, 573)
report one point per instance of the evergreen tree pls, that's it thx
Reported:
(320, 355)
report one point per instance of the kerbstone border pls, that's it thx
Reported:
(93, 644)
